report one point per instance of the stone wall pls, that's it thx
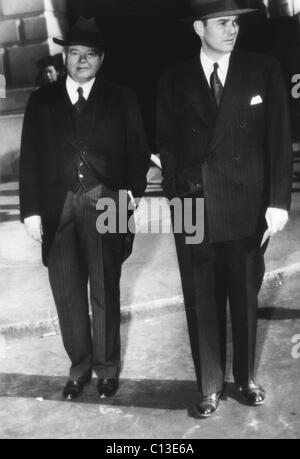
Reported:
(26, 31)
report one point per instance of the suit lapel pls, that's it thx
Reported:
(62, 111)
(232, 98)
(99, 103)
(198, 92)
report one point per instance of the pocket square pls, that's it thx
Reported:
(256, 100)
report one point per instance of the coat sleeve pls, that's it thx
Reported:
(279, 142)
(138, 151)
(177, 182)
(166, 134)
(29, 170)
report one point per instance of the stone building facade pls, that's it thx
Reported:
(26, 31)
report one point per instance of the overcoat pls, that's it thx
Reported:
(115, 149)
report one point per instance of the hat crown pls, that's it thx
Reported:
(216, 8)
(84, 32)
(86, 25)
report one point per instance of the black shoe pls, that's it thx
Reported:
(252, 394)
(107, 387)
(207, 406)
(73, 390)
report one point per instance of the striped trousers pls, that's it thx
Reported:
(80, 255)
(213, 274)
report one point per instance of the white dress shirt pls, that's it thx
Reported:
(208, 66)
(72, 88)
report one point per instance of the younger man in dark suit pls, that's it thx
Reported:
(223, 134)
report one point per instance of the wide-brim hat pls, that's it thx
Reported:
(85, 32)
(204, 9)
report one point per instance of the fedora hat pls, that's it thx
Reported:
(204, 9)
(84, 32)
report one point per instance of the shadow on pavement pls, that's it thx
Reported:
(155, 394)
(270, 313)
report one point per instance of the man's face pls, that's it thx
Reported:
(218, 35)
(82, 63)
(50, 74)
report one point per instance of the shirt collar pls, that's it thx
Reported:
(72, 88)
(208, 65)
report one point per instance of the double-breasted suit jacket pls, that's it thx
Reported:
(115, 149)
(239, 157)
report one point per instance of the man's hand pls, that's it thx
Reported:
(276, 219)
(134, 203)
(34, 228)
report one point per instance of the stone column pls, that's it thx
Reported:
(26, 31)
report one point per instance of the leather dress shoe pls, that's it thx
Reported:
(107, 387)
(252, 394)
(73, 390)
(207, 406)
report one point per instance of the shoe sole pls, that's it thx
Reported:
(69, 398)
(102, 396)
(253, 404)
(72, 399)
(205, 416)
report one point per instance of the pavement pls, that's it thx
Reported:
(158, 387)
(157, 380)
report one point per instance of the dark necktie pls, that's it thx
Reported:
(216, 85)
(80, 102)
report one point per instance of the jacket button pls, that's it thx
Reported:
(243, 124)
(195, 131)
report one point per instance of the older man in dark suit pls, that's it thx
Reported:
(223, 134)
(83, 140)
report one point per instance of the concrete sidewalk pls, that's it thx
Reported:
(150, 280)
(158, 389)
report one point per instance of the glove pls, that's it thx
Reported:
(33, 226)
(276, 219)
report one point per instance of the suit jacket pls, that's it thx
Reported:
(238, 157)
(116, 149)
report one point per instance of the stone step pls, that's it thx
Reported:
(15, 101)
(10, 135)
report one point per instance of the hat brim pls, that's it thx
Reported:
(219, 14)
(92, 44)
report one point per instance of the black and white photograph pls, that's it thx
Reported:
(149, 222)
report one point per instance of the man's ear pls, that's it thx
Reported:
(199, 28)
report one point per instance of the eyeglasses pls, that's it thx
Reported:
(76, 55)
